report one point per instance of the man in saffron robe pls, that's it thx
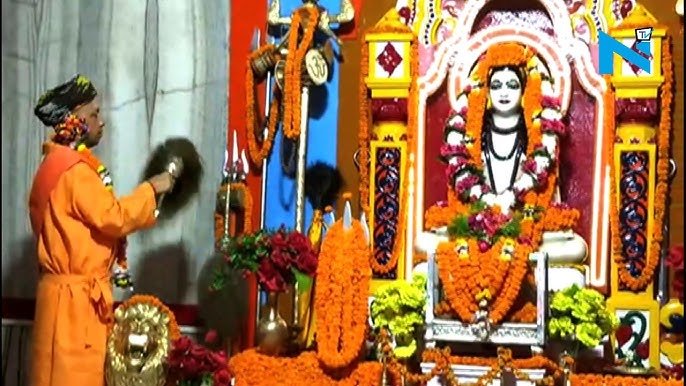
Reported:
(80, 227)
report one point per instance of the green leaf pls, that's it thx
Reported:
(459, 227)
(477, 207)
(219, 278)
(512, 229)
(304, 281)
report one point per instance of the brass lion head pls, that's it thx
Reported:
(138, 345)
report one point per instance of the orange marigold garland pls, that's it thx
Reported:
(443, 361)
(646, 277)
(340, 302)
(613, 380)
(297, 48)
(259, 149)
(438, 216)
(468, 279)
(364, 139)
(399, 372)
(526, 314)
(253, 369)
(247, 211)
(363, 133)
(172, 325)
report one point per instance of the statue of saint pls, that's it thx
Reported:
(506, 169)
(504, 136)
(504, 140)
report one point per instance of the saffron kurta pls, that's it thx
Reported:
(82, 224)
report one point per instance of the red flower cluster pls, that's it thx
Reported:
(70, 130)
(488, 222)
(290, 252)
(191, 364)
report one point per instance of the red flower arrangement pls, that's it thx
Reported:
(486, 224)
(291, 258)
(277, 258)
(192, 364)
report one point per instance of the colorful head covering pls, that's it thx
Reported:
(55, 105)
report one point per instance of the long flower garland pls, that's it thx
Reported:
(364, 139)
(442, 360)
(291, 98)
(259, 152)
(481, 276)
(646, 277)
(340, 302)
(292, 72)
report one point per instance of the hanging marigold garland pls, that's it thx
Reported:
(247, 210)
(297, 48)
(442, 360)
(364, 139)
(259, 149)
(291, 97)
(646, 277)
(340, 300)
(481, 276)
(363, 133)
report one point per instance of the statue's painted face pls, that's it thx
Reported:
(505, 91)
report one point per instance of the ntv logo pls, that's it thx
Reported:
(638, 55)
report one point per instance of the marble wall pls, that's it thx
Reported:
(161, 69)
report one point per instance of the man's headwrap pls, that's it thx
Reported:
(56, 104)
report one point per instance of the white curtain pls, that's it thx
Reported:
(161, 69)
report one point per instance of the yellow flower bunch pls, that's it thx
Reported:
(399, 307)
(580, 315)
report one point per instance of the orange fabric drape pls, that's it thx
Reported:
(81, 225)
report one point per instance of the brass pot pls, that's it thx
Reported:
(272, 330)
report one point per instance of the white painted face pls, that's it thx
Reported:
(505, 91)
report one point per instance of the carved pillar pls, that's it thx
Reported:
(639, 196)
(389, 77)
